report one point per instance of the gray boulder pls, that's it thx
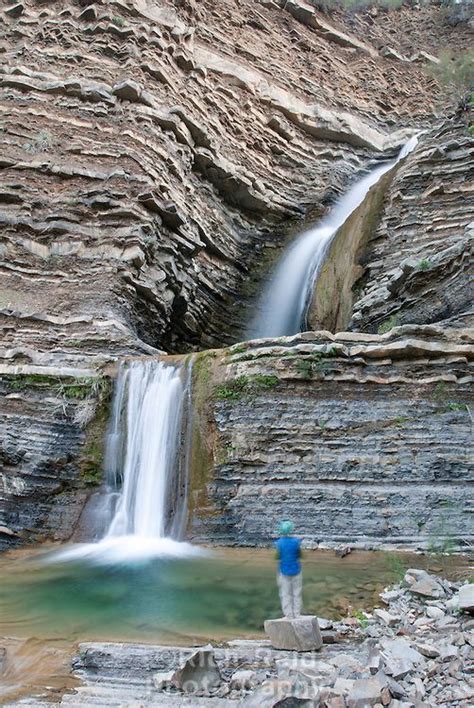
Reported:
(466, 598)
(422, 583)
(400, 658)
(243, 680)
(197, 674)
(368, 692)
(163, 680)
(387, 618)
(297, 634)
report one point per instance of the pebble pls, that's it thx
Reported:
(434, 612)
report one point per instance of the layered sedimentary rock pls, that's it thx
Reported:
(361, 439)
(418, 262)
(405, 255)
(52, 425)
(151, 152)
(155, 157)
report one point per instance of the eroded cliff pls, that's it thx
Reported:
(152, 151)
(361, 439)
(155, 159)
(52, 428)
(405, 255)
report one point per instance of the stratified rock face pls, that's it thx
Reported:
(361, 439)
(152, 156)
(418, 263)
(51, 435)
(150, 152)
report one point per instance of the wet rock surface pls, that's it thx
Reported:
(419, 660)
(404, 254)
(364, 440)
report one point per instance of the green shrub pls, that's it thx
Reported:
(117, 21)
(316, 364)
(361, 616)
(456, 407)
(400, 419)
(84, 388)
(424, 264)
(388, 325)
(439, 393)
(233, 390)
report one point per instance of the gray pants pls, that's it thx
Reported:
(290, 588)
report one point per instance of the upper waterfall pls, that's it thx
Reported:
(281, 310)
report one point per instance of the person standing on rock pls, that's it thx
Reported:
(290, 581)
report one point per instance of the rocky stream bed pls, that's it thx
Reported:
(413, 652)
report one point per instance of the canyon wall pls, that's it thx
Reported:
(418, 261)
(360, 439)
(156, 157)
(405, 255)
(52, 428)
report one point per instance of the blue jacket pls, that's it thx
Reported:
(289, 552)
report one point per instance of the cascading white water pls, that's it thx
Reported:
(143, 452)
(283, 304)
(155, 395)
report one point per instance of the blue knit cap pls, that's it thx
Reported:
(286, 528)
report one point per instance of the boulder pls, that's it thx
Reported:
(325, 623)
(435, 612)
(342, 686)
(400, 658)
(330, 637)
(197, 674)
(298, 634)
(427, 650)
(368, 692)
(243, 679)
(341, 661)
(448, 652)
(466, 598)
(386, 617)
(163, 680)
(422, 583)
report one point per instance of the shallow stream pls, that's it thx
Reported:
(47, 608)
(224, 594)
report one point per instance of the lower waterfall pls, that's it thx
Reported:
(145, 461)
(150, 447)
